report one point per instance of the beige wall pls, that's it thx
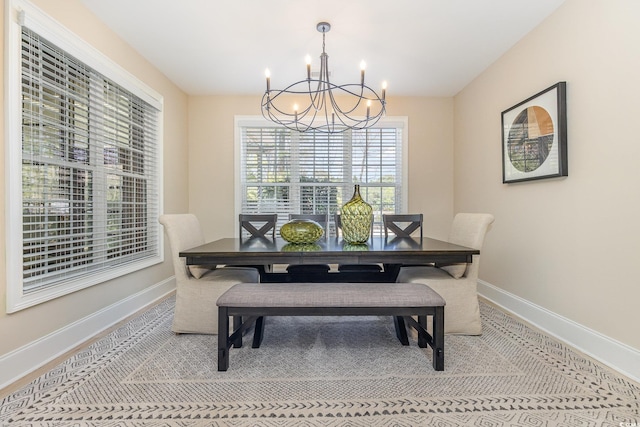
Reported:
(571, 244)
(31, 324)
(212, 163)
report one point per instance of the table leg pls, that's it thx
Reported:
(258, 332)
(401, 330)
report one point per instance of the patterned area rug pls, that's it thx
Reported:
(325, 371)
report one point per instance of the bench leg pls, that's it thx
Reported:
(258, 332)
(438, 339)
(223, 339)
(401, 330)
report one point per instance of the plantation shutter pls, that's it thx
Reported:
(90, 165)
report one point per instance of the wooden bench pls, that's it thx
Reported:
(400, 300)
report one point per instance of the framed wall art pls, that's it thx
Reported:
(534, 137)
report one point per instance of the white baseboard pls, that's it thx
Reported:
(612, 353)
(24, 360)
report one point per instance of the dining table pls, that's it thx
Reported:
(392, 253)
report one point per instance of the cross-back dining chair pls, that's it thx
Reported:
(258, 225)
(323, 221)
(402, 225)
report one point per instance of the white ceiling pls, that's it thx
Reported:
(420, 47)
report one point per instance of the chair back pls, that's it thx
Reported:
(338, 223)
(469, 229)
(184, 232)
(258, 225)
(402, 225)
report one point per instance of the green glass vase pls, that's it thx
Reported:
(356, 217)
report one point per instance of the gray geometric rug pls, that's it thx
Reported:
(325, 371)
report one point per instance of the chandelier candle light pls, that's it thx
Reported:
(322, 113)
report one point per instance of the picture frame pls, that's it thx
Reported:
(534, 137)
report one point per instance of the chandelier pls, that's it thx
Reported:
(312, 104)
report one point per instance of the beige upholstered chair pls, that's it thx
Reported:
(198, 287)
(457, 283)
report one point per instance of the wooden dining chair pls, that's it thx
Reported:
(258, 225)
(402, 225)
(297, 269)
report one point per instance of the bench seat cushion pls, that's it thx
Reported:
(330, 295)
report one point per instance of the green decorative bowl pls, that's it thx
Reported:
(301, 231)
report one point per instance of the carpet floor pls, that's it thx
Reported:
(325, 371)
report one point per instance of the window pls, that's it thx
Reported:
(87, 196)
(283, 172)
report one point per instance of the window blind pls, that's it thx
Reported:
(285, 172)
(89, 169)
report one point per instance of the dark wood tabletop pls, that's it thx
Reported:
(331, 251)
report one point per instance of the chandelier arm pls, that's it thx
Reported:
(315, 95)
(333, 126)
(323, 79)
(344, 117)
(336, 107)
(268, 114)
(291, 121)
(306, 124)
(361, 98)
(269, 105)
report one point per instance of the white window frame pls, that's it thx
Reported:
(240, 121)
(17, 14)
